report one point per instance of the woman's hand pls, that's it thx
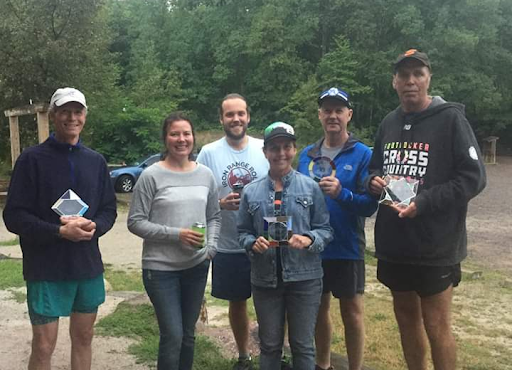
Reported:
(260, 245)
(300, 241)
(191, 238)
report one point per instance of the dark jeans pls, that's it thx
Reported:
(299, 302)
(177, 297)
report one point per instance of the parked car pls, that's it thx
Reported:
(124, 178)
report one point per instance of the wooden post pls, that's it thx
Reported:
(15, 138)
(489, 150)
(43, 128)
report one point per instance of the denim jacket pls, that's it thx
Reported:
(304, 201)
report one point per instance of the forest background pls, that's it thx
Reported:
(139, 60)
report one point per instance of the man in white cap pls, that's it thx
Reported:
(62, 263)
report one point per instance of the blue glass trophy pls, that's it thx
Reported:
(320, 167)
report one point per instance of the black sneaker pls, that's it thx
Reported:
(243, 364)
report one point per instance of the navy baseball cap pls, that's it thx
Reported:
(335, 93)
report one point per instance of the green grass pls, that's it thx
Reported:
(369, 258)
(8, 243)
(481, 321)
(212, 301)
(121, 280)
(138, 322)
(11, 275)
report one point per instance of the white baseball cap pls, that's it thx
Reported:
(66, 95)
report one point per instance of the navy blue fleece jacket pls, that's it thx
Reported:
(41, 175)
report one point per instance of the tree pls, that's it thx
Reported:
(48, 44)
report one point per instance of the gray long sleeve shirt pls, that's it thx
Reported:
(164, 202)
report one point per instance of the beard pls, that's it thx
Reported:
(233, 136)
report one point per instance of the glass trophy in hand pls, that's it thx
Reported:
(277, 230)
(399, 191)
(70, 204)
(320, 167)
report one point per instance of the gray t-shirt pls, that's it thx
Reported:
(166, 201)
(330, 152)
(232, 166)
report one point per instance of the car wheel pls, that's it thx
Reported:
(125, 184)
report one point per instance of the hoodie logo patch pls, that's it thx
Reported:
(406, 159)
(347, 167)
(472, 153)
(407, 127)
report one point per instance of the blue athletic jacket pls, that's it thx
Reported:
(353, 204)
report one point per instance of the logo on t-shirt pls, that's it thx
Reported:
(238, 172)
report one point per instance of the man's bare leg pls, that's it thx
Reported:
(437, 318)
(407, 306)
(44, 339)
(81, 331)
(323, 333)
(352, 314)
(239, 321)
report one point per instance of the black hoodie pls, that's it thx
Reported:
(437, 147)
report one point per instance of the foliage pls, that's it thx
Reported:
(137, 61)
(129, 134)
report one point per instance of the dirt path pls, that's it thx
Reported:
(489, 220)
(119, 248)
(489, 227)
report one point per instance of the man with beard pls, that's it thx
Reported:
(235, 160)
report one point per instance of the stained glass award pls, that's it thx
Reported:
(277, 229)
(320, 167)
(70, 204)
(399, 191)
